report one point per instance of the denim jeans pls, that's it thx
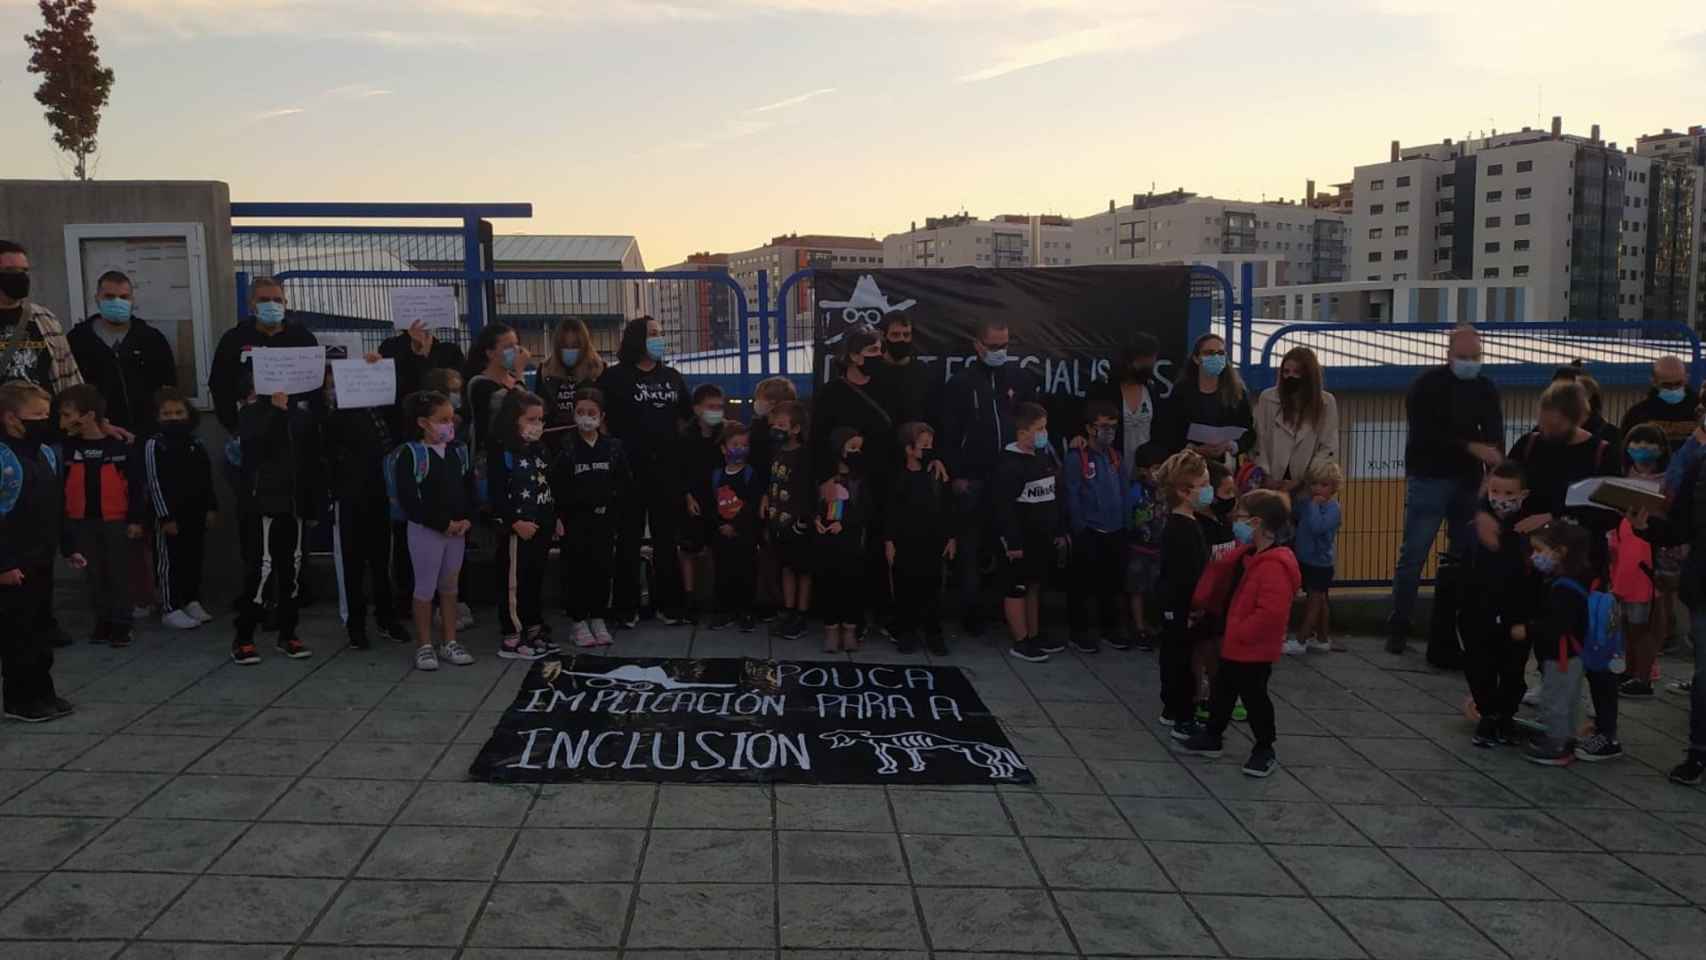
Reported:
(1697, 697)
(1428, 502)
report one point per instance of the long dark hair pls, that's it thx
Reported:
(1306, 405)
(516, 402)
(853, 345)
(632, 349)
(479, 355)
(1231, 386)
(421, 403)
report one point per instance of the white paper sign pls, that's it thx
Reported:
(341, 344)
(433, 307)
(288, 369)
(362, 384)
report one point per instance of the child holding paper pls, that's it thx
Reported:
(357, 440)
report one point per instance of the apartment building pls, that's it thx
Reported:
(698, 314)
(1676, 262)
(961, 240)
(1289, 243)
(784, 255)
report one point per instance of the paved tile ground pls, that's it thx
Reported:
(316, 810)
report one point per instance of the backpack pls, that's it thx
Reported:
(1603, 643)
(422, 460)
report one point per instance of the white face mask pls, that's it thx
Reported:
(531, 432)
(588, 422)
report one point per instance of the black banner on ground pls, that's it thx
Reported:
(1068, 323)
(614, 718)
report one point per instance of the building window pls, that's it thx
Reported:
(1374, 256)
(1520, 245)
(1377, 185)
(1400, 231)
(1522, 219)
(1493, 223)
(1374, 278)
(1495, 169)
(1374, 233)
(1492, 247)
(1397, 277)
(1494, 196)
(1524, 166)
(1403, 182)
(1443, 253)
(1400, 254)
(1403, 206)
(1445, 180)
(1376, 210)
(1520, 270)
(1523, 193)
(1490, 272)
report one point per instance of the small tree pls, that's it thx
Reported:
(74, 85)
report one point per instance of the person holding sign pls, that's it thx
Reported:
(416, 351)
(357, 439)
(267, 326)
(1210, 394)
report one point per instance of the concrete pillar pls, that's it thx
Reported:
(1471, 306)
(1324, 307)
(1521, 308)
(1497, 296)
(1448, 305)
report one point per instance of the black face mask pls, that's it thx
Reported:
(1290, 386)
(40, 432)
(1224, 507)
(778, 437)
(873, 365)
(900, 349)
(15, 286)
(927, 456)
(176, 429)
(854, 460)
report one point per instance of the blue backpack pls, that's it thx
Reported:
(422, 460)
(1603, 643)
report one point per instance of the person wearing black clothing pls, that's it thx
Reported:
(1211, 393)
(571, 363)
(357, 442)
(917, 538)
(977, 424)
(104, 509)
(647, 404)
(495, 365)
(1666, 405)
(1456, 431)
(415, 351)
(519, 475)
(179, 484)
(1558, 453)
(731, 528)
(1184, 483)
(910, 389)
(122, 356)
(230, 377)
(789, 503)
(1498, 599)
(1030, 528)
(841, 522)
(32, 521)
(1134, 389)
(279, 488)
(588, 481)
(701, 455)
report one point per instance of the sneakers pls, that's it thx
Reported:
(1085, 644)
(1030, 651)
(1531, 697)
(1183, 732)
(1048, 646)
(180, 620)
(936, 645)
(1318, 645)
(456, 653)
(1396, 643)
(358, 640)
(393, 632)
(627, 621)
(37, 712)
(196, 610)
(581, 634)
(1547, 755)
(1486, 732)
(1146, 642)
(513, 648)
(1261, 763)
(1598, 747)
(244, 652)
(62, 708)
(1635, 687)
(1117, 641)
(141, 612)
(793, 627)
(1239, 714)
(721, 621)
(119, 638)
(600, 632)
(426, 658)
(1200, 712)
(464, 616)
(1508, 733)
(294, 648)
(1204, 744)
(748, 623)
(674, 618)
(1294, 647)
(1688, 773)
(1681, 687)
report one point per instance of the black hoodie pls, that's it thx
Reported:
(280, 473)
(127, 373)
(1029, 507)
(356, 442)
(177, 475)
(224, 379)
(32, 519)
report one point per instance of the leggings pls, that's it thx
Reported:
(436, 559)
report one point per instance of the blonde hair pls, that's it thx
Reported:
(1178, 472)
(15, 395)
(589, 361)
(1327, 472)
(776, 389)
(1567, 398)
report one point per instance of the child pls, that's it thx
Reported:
(1561, 555)
(357, 442)
(1256, 619)
(1030, 526)
(1318, 517)
(786, 504)
(179, 481)
(1145, 510)
(279, 488)
(518, 476)
(840, 545)
(31, 527)
(917, 540)
(437, 498)
(702, 455)
(1646, 453)
(104, 518)
(1095, 505)
(731, 528)
(1495, 607)
(587, 480)
(449, 382)
(770, 393)
(1183, 480)
(1216, 521)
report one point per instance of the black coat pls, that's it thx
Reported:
(127, 373)
(226, 374)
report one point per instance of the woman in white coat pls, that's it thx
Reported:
(1297, 422)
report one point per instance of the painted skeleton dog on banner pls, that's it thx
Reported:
(602, 718)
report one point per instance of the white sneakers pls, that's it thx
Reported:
(1294, 647)
(1318, 645)
(581, 633)
(600, 632)
(426, 658)
(456, 653)
(181, 620)
(196, 610)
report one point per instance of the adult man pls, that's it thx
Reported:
(1666, 405)
(907, 379)
(32, 343)
(415, 351)
(124, 357)
(1456, 431)
(977, 422)
(267, 326)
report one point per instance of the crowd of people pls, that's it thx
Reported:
(1182, 516)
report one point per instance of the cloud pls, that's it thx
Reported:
(1127, 34)
(793, 101)
(275, 114)
(357, 91)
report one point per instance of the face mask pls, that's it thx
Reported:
(570, 356)
(1142, 374)
(1543, 562)
(175, 428)
(115, 311)
(874, 363)
(736, 455)
(588, 422)
(900, 349)
(1466, 369)
(14, 286)
(269, 314)
(39, 432)
(657, 348)
(1290, 385)
(1643, 454)
(1214, 364)
(531, 432)
(854, 459)
(1673, 395)
(711, 418)
(456, 401)
(1242, 531)
(761, 408)
(1103, 436)
(778, 437)
(443, 432)
(1040, 441)
(1222, 507)
(1503, 507)
(927, 456)
(1205, 496)
(507, 357)
(995, 358)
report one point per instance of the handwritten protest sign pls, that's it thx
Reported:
(432, 307)
(362, 384)
(288, 369)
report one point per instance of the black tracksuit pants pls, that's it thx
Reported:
(26, 643)
(656, 504)
(1098, 575)
(917, 589)
(1236, 680)
(1178, 684)
(178, 561)
(735, 573)
(521, 580)
(1493, 663)
(273, 573)
(589, 560)
(361, 549)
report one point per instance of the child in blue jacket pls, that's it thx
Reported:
(1095, 500)
(1145, 513)
(1317, 516)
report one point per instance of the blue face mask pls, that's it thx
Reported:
(1466, 369)
(1673, 395)
(269, 314)
(1205, 497)
(114, 310)
(657, 348)
(1644, 454)
(508, 357)
(736, 455)
(1242, 531)
(1543, 562)
(570, 356)
(1040, 441)
(995, 358)
(1214, 364)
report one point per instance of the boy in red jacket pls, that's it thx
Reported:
(1256, 617)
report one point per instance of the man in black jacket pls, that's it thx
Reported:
(124, 357)
(1667, 405)
(267, 326)
(415, 351)
(977, 424)
(909, 391)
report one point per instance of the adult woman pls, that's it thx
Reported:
(646, 406)
(495, 365)
(1297, 422)
(851, 402)
(572, 361)
(1209, 393)
(1134, 389)
(1560, 451)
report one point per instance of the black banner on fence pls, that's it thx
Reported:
(1068, 323)
(613, 718)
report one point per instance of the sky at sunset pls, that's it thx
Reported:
(715, 124)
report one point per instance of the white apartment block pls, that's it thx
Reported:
(961, 240)
(783, 256)
(1675, 288)
(1289, 243)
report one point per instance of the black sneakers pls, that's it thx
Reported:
(1598, 747)
(1048, 646)
(1635, 687)
(1486, 732)
(1184, 730)
(1117, 641)
(393, 633)
(748, 623)
(358, 640)
(721, 621)
(1261, 763)
(934, 643)
(1030, 650)
(1085, 644)
(32, 712)
(1396, 643)
(1689, 772)
(793, 626)
(1203, 744)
